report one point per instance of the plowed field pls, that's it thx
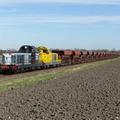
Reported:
(91, 94)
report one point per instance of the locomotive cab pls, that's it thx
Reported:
(6, 59)
(16, 58)
(47, 57)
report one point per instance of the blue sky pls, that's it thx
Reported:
(62, 24)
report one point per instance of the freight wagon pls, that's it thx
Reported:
(32, 58)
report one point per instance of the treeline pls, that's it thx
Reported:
(100, 50)
(7, 51)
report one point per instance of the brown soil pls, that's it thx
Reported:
(92, 94)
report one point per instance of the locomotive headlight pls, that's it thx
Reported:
(11, 54)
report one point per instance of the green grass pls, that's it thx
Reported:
(33, 79)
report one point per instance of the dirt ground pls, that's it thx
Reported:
(92, 94)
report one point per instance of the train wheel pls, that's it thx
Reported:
(15, 72)
(22, 70)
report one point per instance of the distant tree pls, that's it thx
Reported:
(7, 51)
(80, 49)
(101, 50)
(118, 50)
(11, 50)
(113, 50)
(2, 51)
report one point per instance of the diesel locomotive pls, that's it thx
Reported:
(31, 58)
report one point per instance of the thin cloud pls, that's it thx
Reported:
(8, 10)
(4, 2)
(73, 19)
(59, 19)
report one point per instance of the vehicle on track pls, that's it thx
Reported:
(32, 58)
(28, 58)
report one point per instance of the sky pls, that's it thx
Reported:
(60, 24)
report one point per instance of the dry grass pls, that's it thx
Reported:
(32, 79)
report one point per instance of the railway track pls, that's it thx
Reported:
(7, 77)
(19, 75)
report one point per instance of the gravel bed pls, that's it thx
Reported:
(91, 94)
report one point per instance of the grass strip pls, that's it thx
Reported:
(33, 79)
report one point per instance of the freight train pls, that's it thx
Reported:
(31, 58)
